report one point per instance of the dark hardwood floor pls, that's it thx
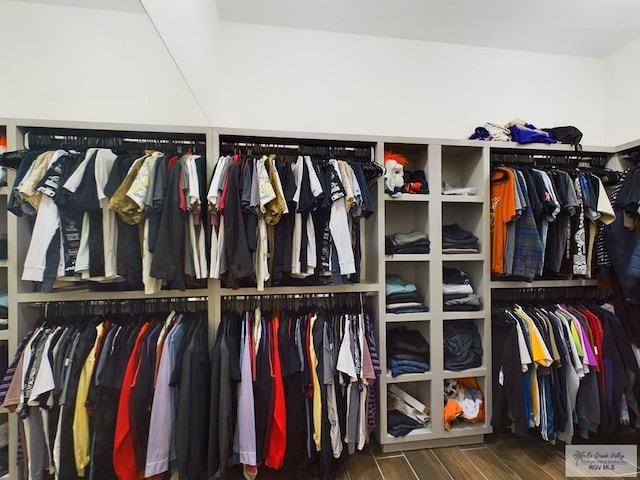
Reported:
(501, 457)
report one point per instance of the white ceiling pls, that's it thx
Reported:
(133, 6)
(591, 28)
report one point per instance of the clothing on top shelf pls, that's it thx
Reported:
(546, 221)
(113, 397)
(120, 221)
(462, 345)
(402, 296)
(403, 243)
(291, 385)
(564, 370)
(458, 240)
(407, 352)
(458, 293)
(276, 222)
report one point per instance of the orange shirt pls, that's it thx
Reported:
(503, 210)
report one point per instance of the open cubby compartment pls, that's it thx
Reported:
(474, 269)
(469, 217)
(421, 328)
(463, 167)
(406, 217)
(479, 323)
(413, 272)
(420, 391)
(462, 425)
(416, 154)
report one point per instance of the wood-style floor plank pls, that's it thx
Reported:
(457, 464)
(362, 466)
(378, 453)
(426, 465)
(395, 467)
(490, 464)
(518, 460)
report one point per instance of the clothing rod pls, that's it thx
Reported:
(116, 301)
(297, 296)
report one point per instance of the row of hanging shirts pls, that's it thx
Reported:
(545, 221)
(111, 218)
(119, 396)
(564, 370)
(277, 222)
(291, 384)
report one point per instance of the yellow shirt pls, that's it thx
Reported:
(317, 400)
(80, 416)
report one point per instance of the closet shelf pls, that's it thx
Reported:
(471, 372)
(462, 199)
(408, 257)
(4, 263)
(466, 429)
(545, 283)
(76, 295)
(463, 315)
(407, 197)
(462, 257)
(414, 435)
(4, 335)
(409, 377)
(407, 317)
(4, 191)
(363, 287)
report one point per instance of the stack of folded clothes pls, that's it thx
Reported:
(462, 345)
(457, 240)
(458, 294)
(412, 242)
(402, 296)
(415, 182)
(407, 352)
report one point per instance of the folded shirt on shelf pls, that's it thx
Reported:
(400, 425)
(449, 189)
(412, 242)
(404, 297)
(471, 248)
(418, 309)
(455, 275)
(394, 283)
(456, 288)
(399, 367)
(462, 303)
(402, 341)
(462, 345)
(455, 237)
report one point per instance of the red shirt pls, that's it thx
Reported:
(124, 457)
(277, 443)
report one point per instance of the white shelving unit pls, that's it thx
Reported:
(461, 165)
(460, 162)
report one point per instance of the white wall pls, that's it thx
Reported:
(189, 28)
(279, 78)
(623, 94)
(89, 65)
